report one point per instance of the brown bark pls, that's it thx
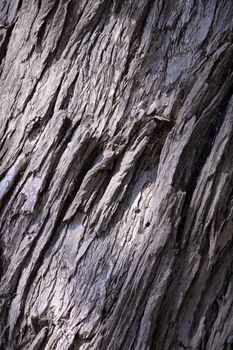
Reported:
(116, 174)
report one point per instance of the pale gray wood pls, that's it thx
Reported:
(116, 174)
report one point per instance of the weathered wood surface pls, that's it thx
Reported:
(116, 174)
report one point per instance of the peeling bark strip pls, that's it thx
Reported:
(116, 177)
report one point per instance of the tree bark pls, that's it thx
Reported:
(116, 178)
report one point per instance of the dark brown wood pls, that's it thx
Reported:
(116, 133)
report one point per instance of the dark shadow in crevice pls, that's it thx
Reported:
(203, 150)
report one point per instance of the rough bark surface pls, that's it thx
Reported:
(116, 178)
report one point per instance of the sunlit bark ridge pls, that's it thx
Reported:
(116, 176)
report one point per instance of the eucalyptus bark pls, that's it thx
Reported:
(116, 177)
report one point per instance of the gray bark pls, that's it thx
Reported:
(116, 177)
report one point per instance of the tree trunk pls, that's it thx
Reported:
(116, 178)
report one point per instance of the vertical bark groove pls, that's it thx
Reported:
(116, 174)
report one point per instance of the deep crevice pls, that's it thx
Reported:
(209, 136)
(64, 137)
(4, 46)
(44, 26)
(69, 94)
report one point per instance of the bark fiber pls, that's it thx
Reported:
(116, 177)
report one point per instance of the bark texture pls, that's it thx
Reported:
(116, 178)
